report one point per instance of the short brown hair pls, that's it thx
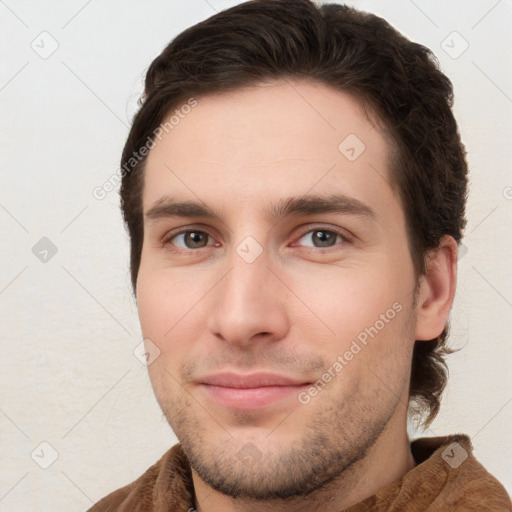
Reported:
(349, 50)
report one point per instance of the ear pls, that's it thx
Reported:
(437, 290)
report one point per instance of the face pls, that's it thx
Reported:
(277, 283)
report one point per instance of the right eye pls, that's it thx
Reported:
(187, 240)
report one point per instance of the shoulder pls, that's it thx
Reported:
(168, 476)
(465, 483)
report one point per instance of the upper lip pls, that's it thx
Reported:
(252, 380)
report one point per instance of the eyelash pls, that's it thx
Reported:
(166, 241)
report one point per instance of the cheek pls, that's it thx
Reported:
(162, 299)
(343, 302)
(152, 302)
(172, 313)
(159, 308)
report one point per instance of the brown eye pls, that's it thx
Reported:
(190, 239)
(322, 238)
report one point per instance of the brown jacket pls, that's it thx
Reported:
(446, 478)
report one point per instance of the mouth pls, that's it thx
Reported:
(252, 391)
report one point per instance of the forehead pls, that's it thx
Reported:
(267, 141)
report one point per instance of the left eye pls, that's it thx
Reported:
(192, 239)
(322, 237)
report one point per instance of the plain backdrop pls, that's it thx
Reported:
(70, 76)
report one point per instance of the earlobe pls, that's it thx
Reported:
(437, 290)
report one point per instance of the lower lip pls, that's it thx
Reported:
(251, 398)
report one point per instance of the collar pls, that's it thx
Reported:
(446, 478)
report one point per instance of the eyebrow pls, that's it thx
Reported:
(293, 206)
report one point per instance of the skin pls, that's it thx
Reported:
(294, 309)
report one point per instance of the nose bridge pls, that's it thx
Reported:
(249, 281)
(247, 301)
(249, 259)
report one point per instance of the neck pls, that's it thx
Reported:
(389, 459)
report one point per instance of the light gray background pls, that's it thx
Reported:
(69, 325)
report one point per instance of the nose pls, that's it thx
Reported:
(250, 303)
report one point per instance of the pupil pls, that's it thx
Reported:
(324, 237)
(194, 237)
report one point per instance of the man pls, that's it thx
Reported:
(294, 187)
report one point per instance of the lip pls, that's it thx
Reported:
(250, 391)
(251, 380)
